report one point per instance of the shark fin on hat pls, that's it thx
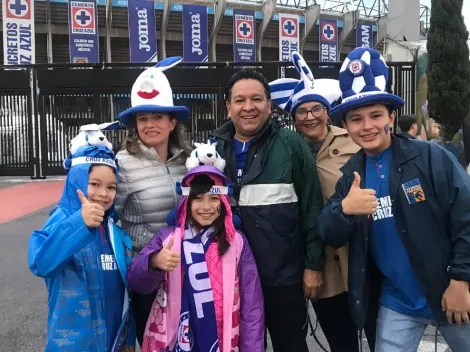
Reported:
(305, 72)
(169, 63)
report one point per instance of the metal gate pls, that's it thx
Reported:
(16, 123)
(42, 114)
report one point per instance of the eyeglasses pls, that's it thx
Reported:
(316, 111)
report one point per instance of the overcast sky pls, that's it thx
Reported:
(465, 9)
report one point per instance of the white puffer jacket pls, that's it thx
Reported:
(146, 192)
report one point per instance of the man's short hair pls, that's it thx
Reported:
(248, 74)
(406, 121)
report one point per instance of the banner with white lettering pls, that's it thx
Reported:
(195, 38)
(18, 32)
(83, 31)
(244, 36)
(288, 35)
(364, 36)
(142, 31)
(328, 40)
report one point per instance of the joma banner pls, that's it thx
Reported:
(18, 32)
(142, 31)
(195, 37)
(364, 36)
(83, 31)
(244, 36)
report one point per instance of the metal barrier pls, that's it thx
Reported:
(43, 106)
(16, 124)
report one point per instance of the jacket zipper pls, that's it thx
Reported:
(100, 278)
(172, 184)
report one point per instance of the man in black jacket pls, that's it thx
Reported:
(403, 207)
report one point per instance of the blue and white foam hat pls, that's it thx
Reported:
(363, 81)
(91, 155)
(290, 93)
(152, 92)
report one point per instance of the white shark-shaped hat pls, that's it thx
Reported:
(152, 92)
(290, 93)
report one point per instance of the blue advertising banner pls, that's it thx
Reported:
(195, 37)
(244, 36)
(328, 40)
(18, 32)
(364, 36)
(142, 31)
(83, 31)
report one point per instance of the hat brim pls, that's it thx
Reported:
(127, 117)
(309, 98)
(206, 170)
(383, 98)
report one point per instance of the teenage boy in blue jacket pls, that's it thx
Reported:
(404, 208)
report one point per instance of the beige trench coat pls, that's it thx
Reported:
(334, 153)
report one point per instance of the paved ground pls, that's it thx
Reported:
(23, 300)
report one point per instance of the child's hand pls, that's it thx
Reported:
(165, 260)
(92, 213)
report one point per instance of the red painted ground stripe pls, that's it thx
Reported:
(20, 200)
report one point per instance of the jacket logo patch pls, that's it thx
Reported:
(413, 191)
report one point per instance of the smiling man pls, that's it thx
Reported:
(278, 197)
(402, 205)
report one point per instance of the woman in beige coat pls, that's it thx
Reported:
(308, 102)
(151, 162)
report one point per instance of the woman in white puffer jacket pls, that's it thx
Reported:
(151, 162)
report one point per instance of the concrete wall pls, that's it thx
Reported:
(403, 20)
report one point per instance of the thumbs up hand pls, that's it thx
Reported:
(165, 260)
(359, 201)
(92, 213)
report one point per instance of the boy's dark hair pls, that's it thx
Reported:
(202, 184)
(247, 74)
(406, 121)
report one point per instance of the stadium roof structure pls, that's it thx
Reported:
(373, 9)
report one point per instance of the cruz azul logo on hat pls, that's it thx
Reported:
(152, 92)
(356, 67)
(363, 81)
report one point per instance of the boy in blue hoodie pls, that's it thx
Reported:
(83, 256)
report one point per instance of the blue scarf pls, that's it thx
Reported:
(197, 329)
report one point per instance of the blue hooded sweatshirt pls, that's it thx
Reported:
(68, 255)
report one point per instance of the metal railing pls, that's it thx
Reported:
(43, 106)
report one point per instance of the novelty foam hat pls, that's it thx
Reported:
(363, 81)
(222, 186)
(151, 92)
(90, 135)
(290, 93)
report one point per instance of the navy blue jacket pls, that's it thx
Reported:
(435, 230)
